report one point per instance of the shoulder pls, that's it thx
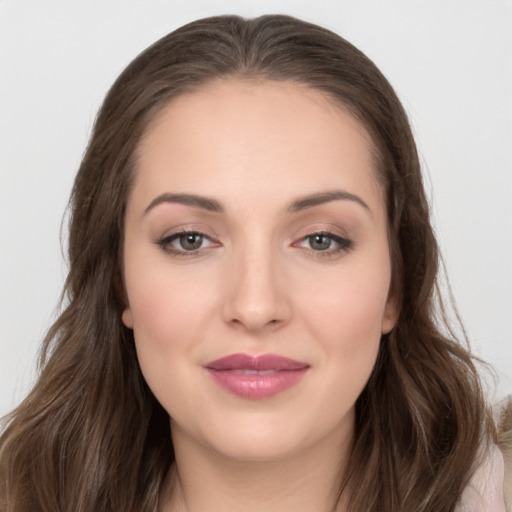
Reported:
(485, 490)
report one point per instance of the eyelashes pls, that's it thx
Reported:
(187, 243)
(325, 243)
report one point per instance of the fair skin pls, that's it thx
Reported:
(259, 271)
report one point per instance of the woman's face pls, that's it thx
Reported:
(257, 267)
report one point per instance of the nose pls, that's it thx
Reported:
(256, 297)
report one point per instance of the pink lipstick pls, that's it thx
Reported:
(256, 377)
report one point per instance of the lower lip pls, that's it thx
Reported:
(256, 386)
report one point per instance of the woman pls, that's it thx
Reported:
(251, 263)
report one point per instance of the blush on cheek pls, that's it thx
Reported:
(153, 309)
(167, 315)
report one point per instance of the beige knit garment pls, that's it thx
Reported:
(485, 491)
(503, 416)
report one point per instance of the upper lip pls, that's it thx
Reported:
(263, 362)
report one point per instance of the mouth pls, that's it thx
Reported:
(256, 377)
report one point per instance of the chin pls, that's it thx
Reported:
(265, 436)
(257, 445)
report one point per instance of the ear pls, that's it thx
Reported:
(120, 290)
(127, 318)
(391, 314)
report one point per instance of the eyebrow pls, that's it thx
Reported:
(325, 197)
(204, 203)
(212, 205)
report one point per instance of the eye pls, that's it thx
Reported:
(190, 241)
(185, 243)
(325, 242)
(320, 242)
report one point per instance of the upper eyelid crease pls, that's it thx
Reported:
(177, 234)
(166, 242)
(329, 234)
(344, 244)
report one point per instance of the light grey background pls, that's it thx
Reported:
(449, 60)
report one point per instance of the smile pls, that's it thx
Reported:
(256, 377)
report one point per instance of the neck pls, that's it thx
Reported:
(203, 480)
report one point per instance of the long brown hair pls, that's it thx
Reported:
(91, 436)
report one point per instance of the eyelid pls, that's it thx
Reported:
(343, 243)
(165, 242)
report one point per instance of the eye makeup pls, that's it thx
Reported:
(186, 243)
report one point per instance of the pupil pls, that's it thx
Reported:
(320, 242)
(191, 242)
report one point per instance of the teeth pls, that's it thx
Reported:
(255, 372)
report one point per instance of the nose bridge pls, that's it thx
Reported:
(256, 296)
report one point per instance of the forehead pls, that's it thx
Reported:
(256, 132)
(233, 95)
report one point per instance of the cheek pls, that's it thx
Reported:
(352, 337)
(163, 297)
(343, 320)
(168, 311)
(350, 302)
(346, 316)
(155, 312)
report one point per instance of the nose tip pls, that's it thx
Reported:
(256, 297)
(253, 320)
